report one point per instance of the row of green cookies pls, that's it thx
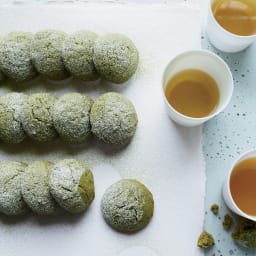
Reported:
(45, 188)
(112, 118)
(56, 56)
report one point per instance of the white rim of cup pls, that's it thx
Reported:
(240, 158)
(223, 29)
(227, 100)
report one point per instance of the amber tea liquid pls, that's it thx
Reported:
(236, 16)
(193, 93)
(243, 185)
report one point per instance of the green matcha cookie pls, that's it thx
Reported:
(11, 130)
(46, 54)
(77, 53)
(71, 117)
(127, 206)
(35, 188)
(11, 201)
(115, 57)
(113, 119)
(36, 117)
(15, 58)
(245, 234)
(72, 185)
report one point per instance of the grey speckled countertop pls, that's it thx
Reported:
(226, 137)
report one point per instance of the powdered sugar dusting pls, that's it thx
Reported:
(164, 156)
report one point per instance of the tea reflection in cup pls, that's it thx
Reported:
(231, 24)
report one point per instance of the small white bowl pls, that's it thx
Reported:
(226, 193)
(209, 63)
(223, 39)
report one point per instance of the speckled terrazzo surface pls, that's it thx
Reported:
(224, 138)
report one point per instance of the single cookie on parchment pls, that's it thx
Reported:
(127, 206)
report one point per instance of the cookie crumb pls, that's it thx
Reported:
(205, 240)
(245, 234)
(215, 209)
(227, 222)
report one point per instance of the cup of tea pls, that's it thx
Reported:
(231, 24)
(239, 188)
(196, 86)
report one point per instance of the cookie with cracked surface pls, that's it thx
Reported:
(115, 57)
(72, 185)
(11, 200)
(35, 188)
(127, 206)
(36, 117)
(15, 58)
(77, 53)
(11, 130)
(46, 54)
(71, 117)
(113, 119)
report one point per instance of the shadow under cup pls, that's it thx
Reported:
(209, 63)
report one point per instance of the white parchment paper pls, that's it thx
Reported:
(164, 156)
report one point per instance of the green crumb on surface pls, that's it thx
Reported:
(245, 234)
(205, 240)
(227, 222)
(215, 209)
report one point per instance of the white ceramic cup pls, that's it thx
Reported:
(223, 39)
(226, 193)
(211, 64)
